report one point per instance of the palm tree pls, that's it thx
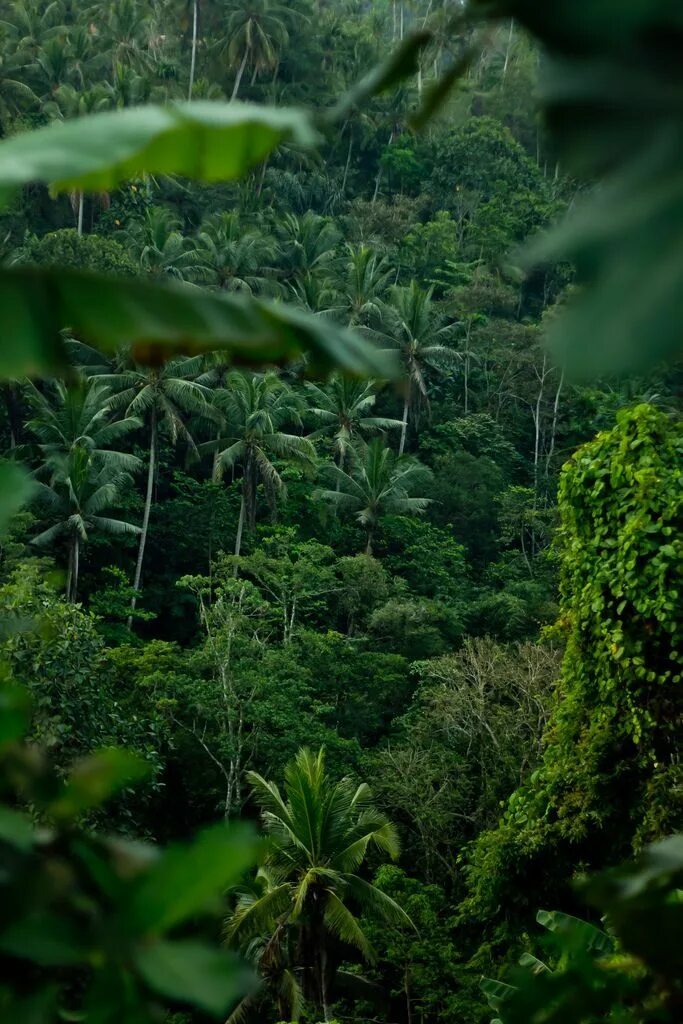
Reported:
(161, 397)
(162, 249)
(256, 32)
(308, 895)
(15, 94)
(377, 483)
(79, 490)
(309, 245)
(362, 284)
(232, 258)
(343, 409)
(255, 409)
(66, 418)
(411, 324)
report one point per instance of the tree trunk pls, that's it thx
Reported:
(238, 80)
(240, 527)
(81, 202)
(508, 49)
(378, 179)
(145, 516)
(404, 424)
(348, 161)
(322, 955)
(371, 536)
(193, 59)
(553, 429)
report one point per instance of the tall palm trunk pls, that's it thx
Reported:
(370, 538)
(81, 203)
(240, 527)
(73, 569)
(238, 79)
(193, 59)
(404, 423)
(145, 516)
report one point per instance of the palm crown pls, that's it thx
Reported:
(320, 833)
(378, 483)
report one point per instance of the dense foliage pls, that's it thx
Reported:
(258, 546)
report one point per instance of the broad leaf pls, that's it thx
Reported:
(95, 779)
(189, 878)
(37, 303)
(582, 935)
(203, 140)
(192, 972)
(497, 992)
(15, 489)
(44, 939)
(15, 829)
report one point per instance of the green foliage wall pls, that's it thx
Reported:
(609, 778)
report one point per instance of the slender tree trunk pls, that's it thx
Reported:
(81, 203)
(553, 429)
(76, 568)
(371, 537)
(406, 989)
(378, 179)
(238, 79)
(193, 59)
(145, 516)
(404, 423)
(70, 569)
(240, 528)
(508, 49)
(323, 979)
(348, 161)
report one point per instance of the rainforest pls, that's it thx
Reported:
(341, 512)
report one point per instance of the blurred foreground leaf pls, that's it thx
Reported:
(202, 140)
(37, 303)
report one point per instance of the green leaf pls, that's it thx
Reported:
(497, 992)
(192, 972)
(582, 935)
(187, 879)
(37, 303)
(15, 829)
(44, 939)
(15, 706)
(202, 140)
(402, 63)
(95, 779)
(15, 483)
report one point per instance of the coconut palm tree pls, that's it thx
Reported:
(256, 32)
(377, 483)
(65, 418)
(343, 409)
(362, 284)
(233, 258)
(15, 95)
(412, 325)
(162, 398)
(161, 247)
(306, 904)
(309, 246)
(255, 408)
(79, 490)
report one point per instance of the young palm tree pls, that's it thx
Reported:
(162, 249)
(161, 397)
(343, 408)
(309, 246)
(79, 490)
(254, 410)
(65, 418)
(378, 483)
(362, 284)
(412, 325)
(308, 888)
(232, 258)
